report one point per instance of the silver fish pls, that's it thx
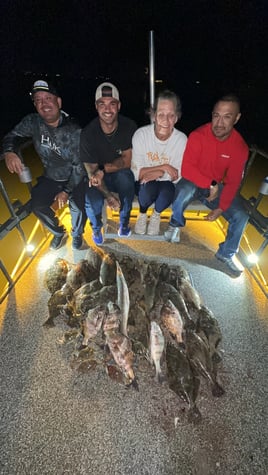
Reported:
(171, 319)
(122, 298)
(157, 344)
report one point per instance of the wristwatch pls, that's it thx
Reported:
(213, 183)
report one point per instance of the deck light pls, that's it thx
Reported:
(254, 257)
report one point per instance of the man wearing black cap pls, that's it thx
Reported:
(55, 137)
(105, 149)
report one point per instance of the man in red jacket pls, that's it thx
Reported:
(212, 170)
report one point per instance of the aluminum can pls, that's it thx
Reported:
(264, 187)
(25, 176)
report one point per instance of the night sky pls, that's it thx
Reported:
(202, 49)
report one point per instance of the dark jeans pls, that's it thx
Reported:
(43, 194)
(236, 215)
(121, 182)
(159, 192)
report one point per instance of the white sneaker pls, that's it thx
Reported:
(172, 234)
(154, 224)
(141, 223)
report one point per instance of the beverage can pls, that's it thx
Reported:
(25, 176)
(264, 187)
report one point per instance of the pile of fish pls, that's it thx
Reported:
(120, 310)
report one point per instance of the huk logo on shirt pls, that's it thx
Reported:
(224, 156)
(47, 142)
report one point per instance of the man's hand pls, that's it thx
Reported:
(96, 178)
(113, 202)
(214, 191)
(61, 198)
(13, 162)
(213, 215)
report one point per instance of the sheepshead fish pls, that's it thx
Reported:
(181, 379)
(113, 318)
(168, 291)
(121, 348)
(157, 344)
(190, 294)
(122, 298)
(93, 322)
(172, 321)
(201, 362)
(108, 270)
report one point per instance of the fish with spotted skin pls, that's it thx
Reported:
(157, 345)
(198, 353)
(172, 321)
(121, 349)
(182, 380)
(93, 322)
(122, 298)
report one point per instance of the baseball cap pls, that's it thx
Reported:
(41, 85)
(106, 89)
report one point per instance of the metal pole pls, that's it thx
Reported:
(151, 70)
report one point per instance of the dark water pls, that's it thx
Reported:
(197, 100)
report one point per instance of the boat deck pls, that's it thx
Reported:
(57, 421)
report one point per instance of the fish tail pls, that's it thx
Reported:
(135, 384)
(160, 377)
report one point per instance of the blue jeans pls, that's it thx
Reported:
(43, 194)
(121, 182)
(236, 215)
(159, 192)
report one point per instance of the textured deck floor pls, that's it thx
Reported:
(57, 421)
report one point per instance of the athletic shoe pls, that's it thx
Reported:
(58, 241)
(141, 223)
(172, 234)
(97, 238)
(77, 243)
(124, 231)
(230, 265)
(154, 224)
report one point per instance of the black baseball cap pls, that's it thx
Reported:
(41, 85)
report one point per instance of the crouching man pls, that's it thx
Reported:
(212, 169)
(56, 139)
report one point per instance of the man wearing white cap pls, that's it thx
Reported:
(106, 150)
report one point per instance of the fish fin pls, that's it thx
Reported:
(160, 377)
(49, 323)
(217, 390)
(194, 415)
(135, 384)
